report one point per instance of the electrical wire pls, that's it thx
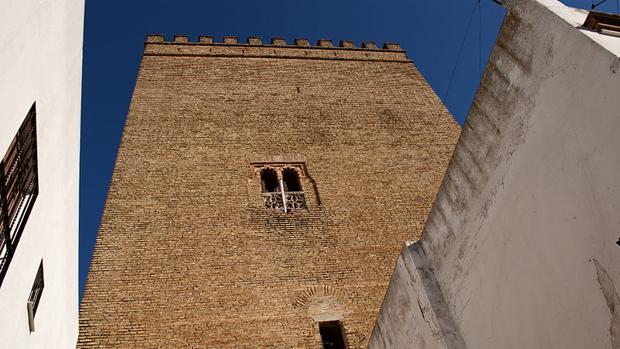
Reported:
(458, 57)
(480, 38)
(594, 6)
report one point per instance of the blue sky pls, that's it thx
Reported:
(431, 31)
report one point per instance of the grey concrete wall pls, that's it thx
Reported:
(522, 235)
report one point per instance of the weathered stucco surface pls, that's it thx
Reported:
(522, 235)
(414, 301)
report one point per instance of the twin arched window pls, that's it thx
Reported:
(282, 189)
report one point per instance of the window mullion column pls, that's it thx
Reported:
(282, 191)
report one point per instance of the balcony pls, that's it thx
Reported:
(295, 200)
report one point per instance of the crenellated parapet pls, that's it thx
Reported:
(231, 46)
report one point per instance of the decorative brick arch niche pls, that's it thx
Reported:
(322, 304)
(284, 187)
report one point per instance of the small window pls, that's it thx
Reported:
(604, 23)
(281, 188)
(35, 296)
(332, 335)
(19, 187)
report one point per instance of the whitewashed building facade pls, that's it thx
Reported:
(521, 249)
(40, 90)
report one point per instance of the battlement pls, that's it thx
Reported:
(280, 42)
(268, 158)
(231, 46)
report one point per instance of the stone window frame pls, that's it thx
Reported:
(282, 199)
(306, 182)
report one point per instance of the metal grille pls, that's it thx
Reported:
(18, 188)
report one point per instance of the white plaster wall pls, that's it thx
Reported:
(414, 313)
(41, 61)
(576, 17)
(522, 236)
(530, 260)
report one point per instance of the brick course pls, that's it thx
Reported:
(188, 257)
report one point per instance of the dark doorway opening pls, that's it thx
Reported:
(332, 335)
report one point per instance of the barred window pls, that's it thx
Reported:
(19, 188)
(604, 23)
(35, 296)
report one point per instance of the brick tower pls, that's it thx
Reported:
(261, 195)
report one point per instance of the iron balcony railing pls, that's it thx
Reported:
(295, 200)
(18, 188)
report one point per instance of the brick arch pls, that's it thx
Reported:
(321, 303)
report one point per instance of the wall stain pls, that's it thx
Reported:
(613, 302)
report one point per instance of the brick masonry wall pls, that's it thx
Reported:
(188, 257)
